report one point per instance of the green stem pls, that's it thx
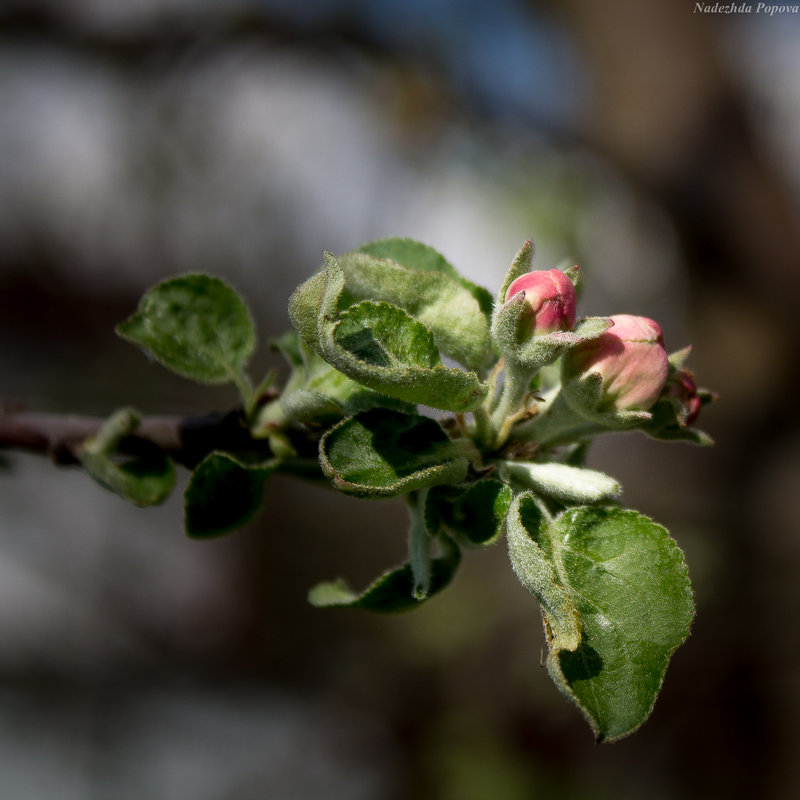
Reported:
(515, 390)
(419, 544)
(119, 424)
(246, 391)
(483, 431)
(556, 423)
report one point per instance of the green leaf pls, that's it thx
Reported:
(392, 592)
(420, 256)
(563, 482)
(379, 345)
(435, 299)
(473, 516)
(383, 453)
(629, 583)
(144, 479)
(223, 493)
(195, 325)
(317, 393)
(530, 549)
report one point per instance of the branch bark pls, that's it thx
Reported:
(187, 439)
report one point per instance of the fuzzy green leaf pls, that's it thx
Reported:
(435, 299)
(392, 592)
(195, 325)
(144, 479)
(383, 453)
(420, 256)
(316, 392)
(575, 485)
(531, 552)
(223, 493)
(379, 345)
(473, 516)
(629, 584)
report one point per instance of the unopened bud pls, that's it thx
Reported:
(683, 390)
(629, 357)
(550, 298)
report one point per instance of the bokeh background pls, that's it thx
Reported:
(653, 145)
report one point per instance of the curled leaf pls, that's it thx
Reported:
(392, 592)
(383, 453)
(379, 345)
(618, 579)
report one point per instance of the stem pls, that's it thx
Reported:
(120, 424)
(483, 426)
(557, 423)
(419, 544)
(246, 392)
(187, 439)
(518, 380)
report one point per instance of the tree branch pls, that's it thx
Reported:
(187, 439)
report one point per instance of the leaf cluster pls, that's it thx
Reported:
(406, 380)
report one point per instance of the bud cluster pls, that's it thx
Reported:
(614, 370)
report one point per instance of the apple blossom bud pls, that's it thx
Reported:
(550, 297)
(631, 360)
(683, 390)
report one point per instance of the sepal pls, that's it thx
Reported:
(585, 398)
(539, 350)
(522, 263)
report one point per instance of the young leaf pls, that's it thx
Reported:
(473, 516)
(630, 586)
(531, 552)
(379, 345)
(383, 453)
(436, 299)
(223, 493)
(145, 479)
(318, 393)
(195, 325)
(392, 592)
(563, 482)
(420, 256)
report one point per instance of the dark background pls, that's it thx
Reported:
(653, 145)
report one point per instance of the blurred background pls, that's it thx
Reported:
(653, 145)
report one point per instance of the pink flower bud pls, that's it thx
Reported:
(551, 300)
(682, 388)
(631, 359)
